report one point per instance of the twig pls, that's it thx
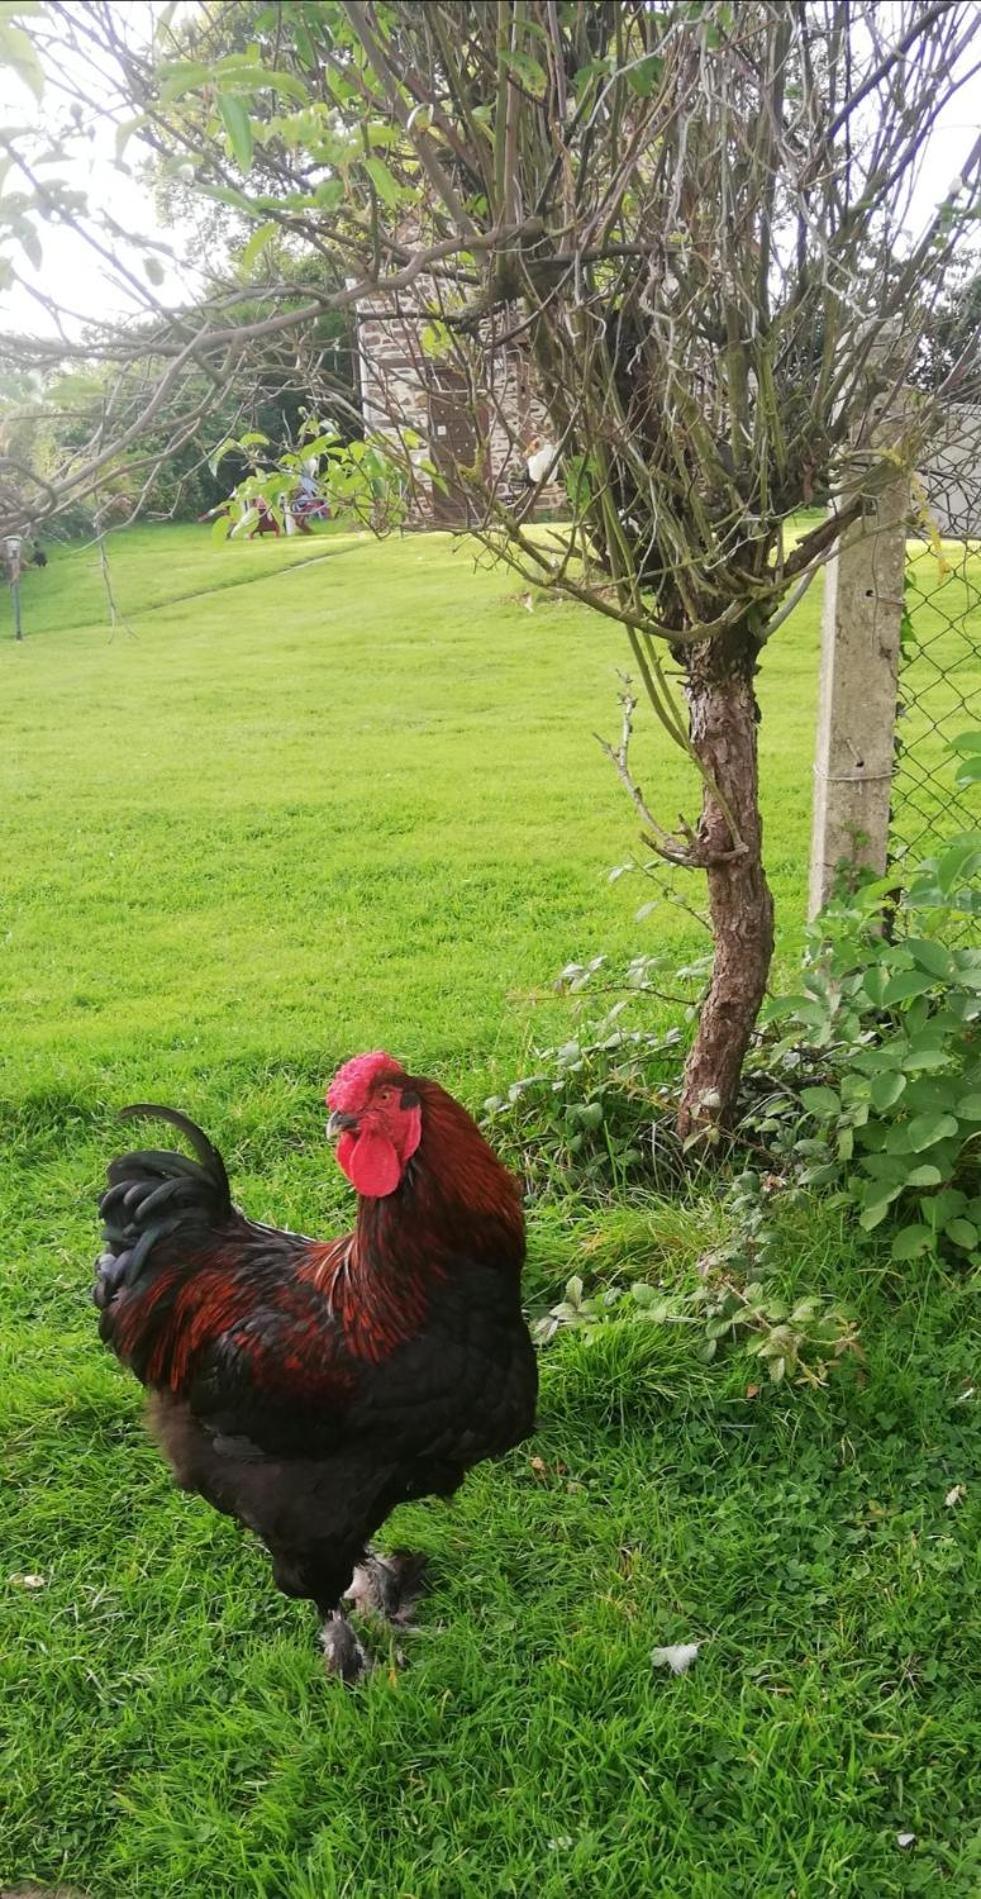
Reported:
(685, 848)
(116, 617)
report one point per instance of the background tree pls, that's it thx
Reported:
(691, 215)
(114, 434)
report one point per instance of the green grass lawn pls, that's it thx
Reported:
(323, 796)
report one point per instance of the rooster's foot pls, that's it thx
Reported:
(388, 1586)
(343, 1653)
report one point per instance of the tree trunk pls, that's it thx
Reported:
(723, 717)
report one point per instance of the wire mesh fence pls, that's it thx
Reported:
(940, 662)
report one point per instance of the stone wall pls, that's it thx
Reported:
(395, 378)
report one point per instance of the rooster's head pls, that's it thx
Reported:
(377, 1115)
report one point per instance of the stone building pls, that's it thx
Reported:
(473, 407)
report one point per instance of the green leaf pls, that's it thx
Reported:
(822, 1102)
(777, 1008)
(945, 1206)
(926, 1091)
(125, 132)
(244, 56)
(968, 772)
(925, 1057)
(958, 865)
(643, 77)
(932, 956)
(925, 1176)
(817, 1016)
(220, 527)
(329, 194)
(874, 982)
(912, 1241)
(886, 1089)
(384, 181)
(162, 21)
(908, 982)
(963, 1233)
(969, 1108)
(827, 1172)
(319, 444)
(886, 1167)
(873, 1216)
(874, 1061)
(17, 51)
(287, 84)
(242, 74)
(178, 76)
(869, 899)
(527, 71)
(218, 454)
(30, 243)
(222, 194)
(154, 269)
(925, 1129)
(717, 1328)
(238, 125)
(436, 339)
(303, 43)
(256, 244)
(591, 70)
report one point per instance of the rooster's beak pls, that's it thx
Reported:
(338, 1122)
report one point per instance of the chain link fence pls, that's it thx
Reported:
(940, 653)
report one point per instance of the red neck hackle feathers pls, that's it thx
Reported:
(456, 1205)
(456, 1202)
(452, 1197)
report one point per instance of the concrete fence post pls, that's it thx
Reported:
(863, 610)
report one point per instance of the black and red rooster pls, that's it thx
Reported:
(306, 1387)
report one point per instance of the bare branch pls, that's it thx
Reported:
(686, 849)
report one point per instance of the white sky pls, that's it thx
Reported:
(76, 278)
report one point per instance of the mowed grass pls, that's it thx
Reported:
(365, 790)
(306, 809)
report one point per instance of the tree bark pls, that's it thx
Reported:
(723, 718)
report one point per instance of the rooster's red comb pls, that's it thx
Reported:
(352, 1084)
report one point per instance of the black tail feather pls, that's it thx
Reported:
(150, 1194)
(209, 1156)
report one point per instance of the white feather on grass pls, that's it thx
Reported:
(678, 1657)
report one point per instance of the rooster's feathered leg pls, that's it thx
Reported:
(320, 1575)
(343, 1653)
(388, 1586)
